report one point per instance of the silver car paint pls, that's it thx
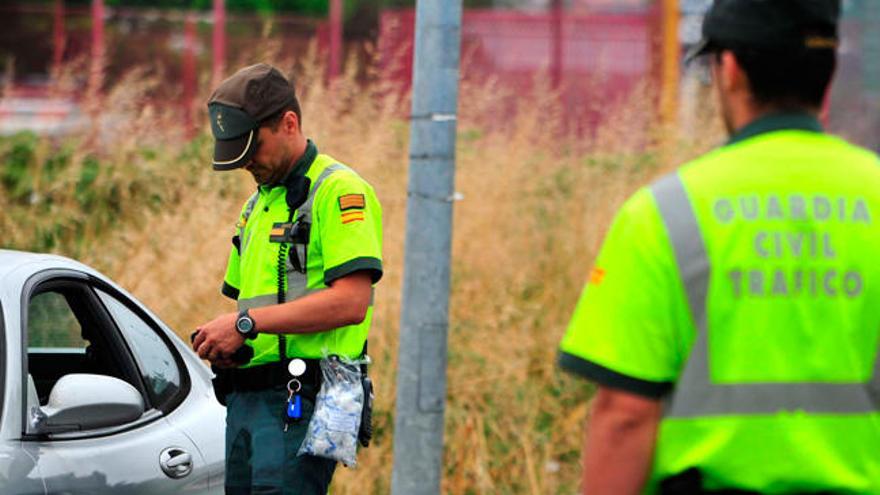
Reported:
(123, 462)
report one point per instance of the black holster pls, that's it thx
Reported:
(365, 433)
(690, 482)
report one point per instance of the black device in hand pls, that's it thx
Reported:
(242, 355)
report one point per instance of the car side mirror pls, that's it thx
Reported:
(83, 402)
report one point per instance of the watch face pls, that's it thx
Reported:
(244, 324)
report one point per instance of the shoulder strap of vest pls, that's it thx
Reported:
(252, 202)
(238, 240)
(305, 210)
(296, 280)
(248, 209)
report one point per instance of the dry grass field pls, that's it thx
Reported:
(141, 203)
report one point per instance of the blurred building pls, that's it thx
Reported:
(574, 5)
(593, 52)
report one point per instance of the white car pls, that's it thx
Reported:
(97, 395)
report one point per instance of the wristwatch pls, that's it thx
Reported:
(245, 325)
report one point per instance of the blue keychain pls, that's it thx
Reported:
(294, 407)
(293, 411)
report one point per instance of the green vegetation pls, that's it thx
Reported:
(59, 197)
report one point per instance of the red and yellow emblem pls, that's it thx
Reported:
(597, 275)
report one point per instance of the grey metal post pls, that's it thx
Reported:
(421, 377)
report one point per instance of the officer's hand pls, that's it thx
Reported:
(218, 339)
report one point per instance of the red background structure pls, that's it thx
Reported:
(592, 60)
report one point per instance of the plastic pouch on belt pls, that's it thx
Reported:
(333, 428)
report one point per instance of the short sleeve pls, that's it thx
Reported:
(232, 279)
(350, 225)
(231, 282)
(627, 328)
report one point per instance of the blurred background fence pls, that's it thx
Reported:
(592, 53)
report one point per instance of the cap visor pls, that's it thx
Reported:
(230, 154)
(698, 50)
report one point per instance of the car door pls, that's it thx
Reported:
(197, 413)
(77, 325)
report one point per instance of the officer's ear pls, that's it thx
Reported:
(730, 74)
(290, 123)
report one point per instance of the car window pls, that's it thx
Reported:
(154, 358)
(67, 334)
(52, 323)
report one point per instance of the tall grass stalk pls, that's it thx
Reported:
(142, 204)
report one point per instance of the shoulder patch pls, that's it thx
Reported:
(352, 202)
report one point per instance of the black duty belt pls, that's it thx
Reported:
(690, 482)
(271, 375)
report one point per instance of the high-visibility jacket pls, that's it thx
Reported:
(744, 291)
(338, 223)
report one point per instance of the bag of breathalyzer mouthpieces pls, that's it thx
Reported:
(333, 429)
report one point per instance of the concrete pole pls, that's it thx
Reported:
(334, 63)
(871, 46)
(421, 377)
(219, 43)
(871, 58)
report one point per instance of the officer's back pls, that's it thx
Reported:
(732, 319)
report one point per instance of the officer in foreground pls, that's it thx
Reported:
(305, 255)
(731, 320)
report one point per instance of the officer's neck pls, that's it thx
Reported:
(741, 115)
(298, 151)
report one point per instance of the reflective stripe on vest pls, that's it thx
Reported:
(270, 299)
(695, 394)
(252, 202)
(297, 282)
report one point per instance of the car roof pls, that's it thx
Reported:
(11, 260)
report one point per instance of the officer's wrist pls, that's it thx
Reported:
(245, 325)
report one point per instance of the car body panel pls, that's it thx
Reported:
(127, 461)
(107, 462)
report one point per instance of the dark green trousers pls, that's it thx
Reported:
(261, 457)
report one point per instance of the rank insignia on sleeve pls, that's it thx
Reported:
(352, 216)
(352, 202)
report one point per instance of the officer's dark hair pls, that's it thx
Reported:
(787, 79)
(274, 120)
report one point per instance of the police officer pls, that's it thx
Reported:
(731, 321)
(306, 253)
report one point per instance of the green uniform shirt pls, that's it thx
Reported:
(345, 237)
(790, 310)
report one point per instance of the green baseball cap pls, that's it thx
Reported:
(237, 107)
(770, 24)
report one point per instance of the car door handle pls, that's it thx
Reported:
(175, 462)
